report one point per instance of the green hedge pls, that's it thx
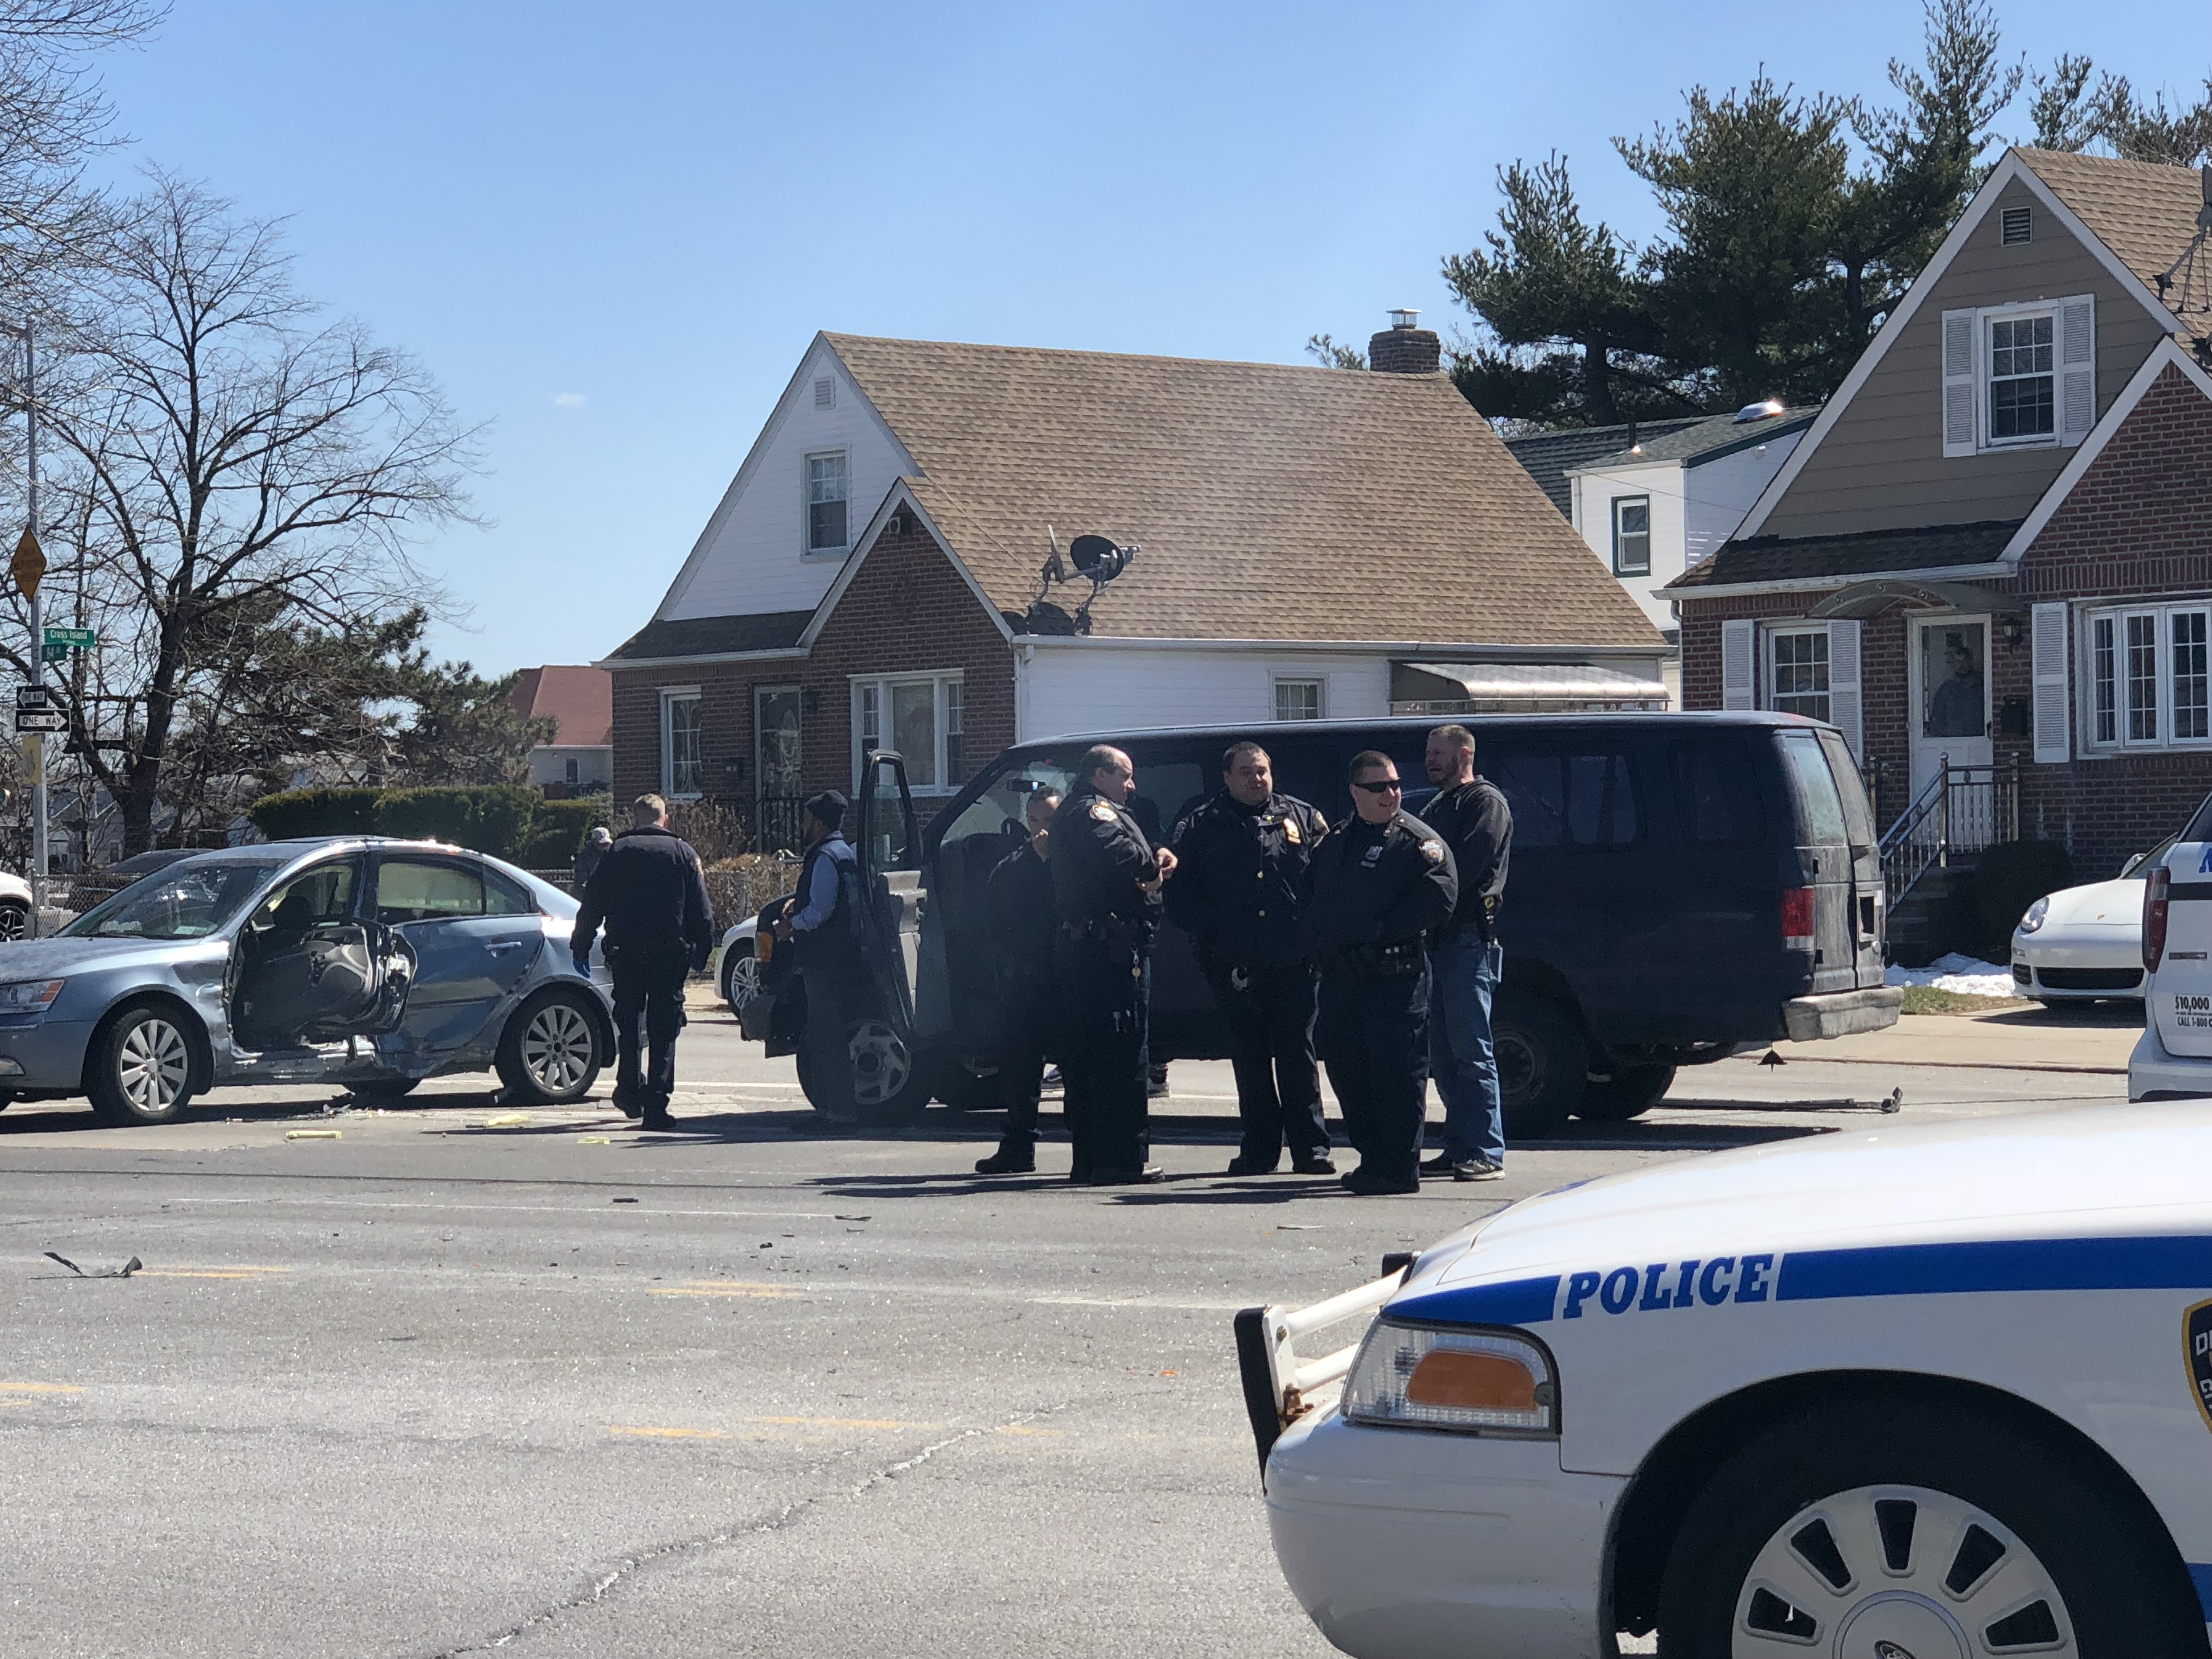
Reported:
(557, 833)
(508, 821)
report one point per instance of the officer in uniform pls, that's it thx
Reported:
(1246, 859)
(1381, 881)
(1020, 907)
(1106, 881)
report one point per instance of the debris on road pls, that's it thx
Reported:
(123, 1272)
(1895, 1102)
(508, 1121)
(314, 1134)
(595, 1141)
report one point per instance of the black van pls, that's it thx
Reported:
(1684, 887)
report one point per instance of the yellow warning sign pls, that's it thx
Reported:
(28, 567)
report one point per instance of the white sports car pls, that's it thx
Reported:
(1899, 1394)
(2083, 943)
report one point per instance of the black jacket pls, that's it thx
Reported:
(1477, 824)
(1243, 877)
(650, 894)
(1100, 862)
(1378, 885)
(1020, 911)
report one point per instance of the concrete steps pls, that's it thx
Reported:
(1936, 917)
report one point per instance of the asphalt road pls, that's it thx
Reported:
(561, 1388)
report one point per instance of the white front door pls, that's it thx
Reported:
(1950, 687)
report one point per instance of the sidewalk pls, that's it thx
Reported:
(2095, 1039)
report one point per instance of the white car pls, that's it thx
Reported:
(738, 969)
(1935, 1391)
(15, 907)
(2083, 943)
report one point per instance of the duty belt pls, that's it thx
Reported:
(1109, 928)
(1381, 961)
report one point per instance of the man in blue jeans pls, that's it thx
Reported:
(1470, 813)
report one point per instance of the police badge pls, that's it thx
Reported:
(2196, 1350)
(1290, 831)
(1433, 851)
(1103, 811)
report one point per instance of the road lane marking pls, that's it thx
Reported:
(763, 1292)
(839, 1423)
(668, 1434)
(208, 1273)
(39, 1388)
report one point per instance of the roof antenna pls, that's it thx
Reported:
(1053, 570)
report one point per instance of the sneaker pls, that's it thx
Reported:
(1318, 1163)
(1243, 1164)
(1369, 1186)
(1478, 1169)
(1052, 1080)
(1008, 1160)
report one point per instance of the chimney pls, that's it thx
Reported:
(1405, 348)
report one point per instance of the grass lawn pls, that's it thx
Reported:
(1927, 1000)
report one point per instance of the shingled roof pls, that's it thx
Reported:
(2145, 213)
(1271, 501)
(1547, 456)
(1860, 553)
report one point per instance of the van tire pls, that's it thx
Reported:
(1631, 1092)
(1543, 1059)
(876, 1043)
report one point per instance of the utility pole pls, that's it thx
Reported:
(30, 568)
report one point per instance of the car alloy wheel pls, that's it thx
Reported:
(1900, 1573)
(14, 922)
(741, 982)
(558, 1048)
(153, 1064)
(881, 1062)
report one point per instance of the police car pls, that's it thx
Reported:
(1910, 1394)
(2173, 1058)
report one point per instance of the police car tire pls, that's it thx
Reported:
(1631, 1092)
(2124, 1592)
(1543, 1060)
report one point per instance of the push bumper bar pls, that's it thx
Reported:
(1278, 1388)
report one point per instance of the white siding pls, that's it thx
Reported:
(754, 559)
(1720, 492)
(1080, 688)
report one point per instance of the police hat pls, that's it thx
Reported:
(828, 806)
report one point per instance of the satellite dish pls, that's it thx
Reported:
(1098, 559)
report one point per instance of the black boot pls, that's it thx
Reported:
(1009, 1159)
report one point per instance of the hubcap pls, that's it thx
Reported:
(744, 981)
(1520, 1065)
(1897, 1572)
(557, 1047)
(153, 1066)
(881, 1064)
(15, 922)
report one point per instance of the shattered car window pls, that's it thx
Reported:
(189, 900)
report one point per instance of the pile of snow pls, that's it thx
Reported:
(1964, 975)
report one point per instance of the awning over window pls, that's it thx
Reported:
(1471, 687)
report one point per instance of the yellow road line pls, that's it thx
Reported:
(839, 1423)
(39, 1388)
(668, 1434)
(711, 1287)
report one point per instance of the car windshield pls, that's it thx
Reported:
(188, 900)
(2141, 869)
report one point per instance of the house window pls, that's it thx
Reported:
(2019, 225)
(826, 504)
(2023, 403)
(681, 772)
(572, 771)
(2150, 677)
(1300, 699)
(1631, 536)
(923, 718)
(1797, 672)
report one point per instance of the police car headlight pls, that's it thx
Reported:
(1425, 1376)
(2036, 913)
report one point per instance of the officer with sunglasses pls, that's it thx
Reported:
(1380, 883)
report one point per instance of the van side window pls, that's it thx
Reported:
(1820, 807)
(1566, 800)
(1716, 793)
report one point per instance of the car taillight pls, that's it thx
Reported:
(2157, 892)
(1796, 918)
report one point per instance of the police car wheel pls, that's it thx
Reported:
(1631, 1092)
(1542, 1060)
(1901, 1527)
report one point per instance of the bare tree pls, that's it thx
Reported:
(235, 464)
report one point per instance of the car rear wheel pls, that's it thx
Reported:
(741, 975)
(1631, 1092)
(14, 920)
(550, 1052)
(1542, 1059)
(140, 1070)
(1908, 1528)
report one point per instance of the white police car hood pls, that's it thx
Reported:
(2063, 1194)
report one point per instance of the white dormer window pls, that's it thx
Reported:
(826, 504)
(2019, 375)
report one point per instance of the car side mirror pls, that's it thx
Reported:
(2133, 863)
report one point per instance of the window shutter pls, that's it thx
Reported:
(2078, 368)
(1959, 392)
(1845, 708)
(2052, 701)
(1739, 657)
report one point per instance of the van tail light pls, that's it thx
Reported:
(1797, 918)
(2157, 897)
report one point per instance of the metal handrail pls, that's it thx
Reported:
(1906, 853)
(1950, 815)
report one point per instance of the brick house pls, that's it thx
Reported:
(891, 568)
(1990, 560)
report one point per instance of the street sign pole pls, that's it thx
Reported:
(38, 632)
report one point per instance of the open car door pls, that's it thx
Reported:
(889, 853)
(308, 966)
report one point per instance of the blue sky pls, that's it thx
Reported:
(610, 231)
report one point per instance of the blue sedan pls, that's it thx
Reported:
(364, 963)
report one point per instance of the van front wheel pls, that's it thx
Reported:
(1631, 1092)
(1542, 1060)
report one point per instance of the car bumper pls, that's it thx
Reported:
(2156, 1073)
(43, 1054)
(2081, 964)
(1401, 1544)
(1809, 1019)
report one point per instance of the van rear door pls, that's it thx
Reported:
(1819, 924)
(1870, 898)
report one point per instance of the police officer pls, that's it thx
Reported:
(649, 892)
(1019, 905)
(823, 919)
(1246, 858)
(1470, 813)
(1381, 881)
(1106, 881)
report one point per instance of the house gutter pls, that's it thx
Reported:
(1460, 652)
(617, 664)
(1956, 572)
